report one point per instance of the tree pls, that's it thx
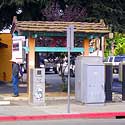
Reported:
(55, 12)
(23, 9)
(120, 49)
(112, 11)
(108, 48)
(119, 44)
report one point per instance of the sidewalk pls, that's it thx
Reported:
(18, 108)
(56, 108)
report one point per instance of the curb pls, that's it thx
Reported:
(64, 116)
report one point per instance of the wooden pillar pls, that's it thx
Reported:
(31, 59)
(103, 44)
(86, 46)
(98, 46)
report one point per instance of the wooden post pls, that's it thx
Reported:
(103, 43)
(97, 46)
(86, 46)
(31, 60)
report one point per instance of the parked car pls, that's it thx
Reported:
(50, 65)
(115, 60)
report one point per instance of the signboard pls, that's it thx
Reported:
(70, 37)
(16, 46)
(17, 51)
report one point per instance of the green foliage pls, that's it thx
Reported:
(119, 38)
(111, 11)
(120, 49)
(119, 44)
(107, 51)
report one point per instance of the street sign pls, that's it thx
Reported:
(70, 37)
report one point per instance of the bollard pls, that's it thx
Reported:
(108, 82)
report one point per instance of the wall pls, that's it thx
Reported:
(5, 56)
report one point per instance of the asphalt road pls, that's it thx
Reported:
(54, 82)
(69, 122)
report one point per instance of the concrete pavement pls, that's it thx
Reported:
(18, 108)
(56, 108)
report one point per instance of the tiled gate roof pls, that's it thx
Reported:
(58, 26)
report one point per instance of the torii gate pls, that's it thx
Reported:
(32, 29)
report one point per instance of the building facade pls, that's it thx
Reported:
(5, 56)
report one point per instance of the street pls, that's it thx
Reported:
(54, 82)
(68, 122)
